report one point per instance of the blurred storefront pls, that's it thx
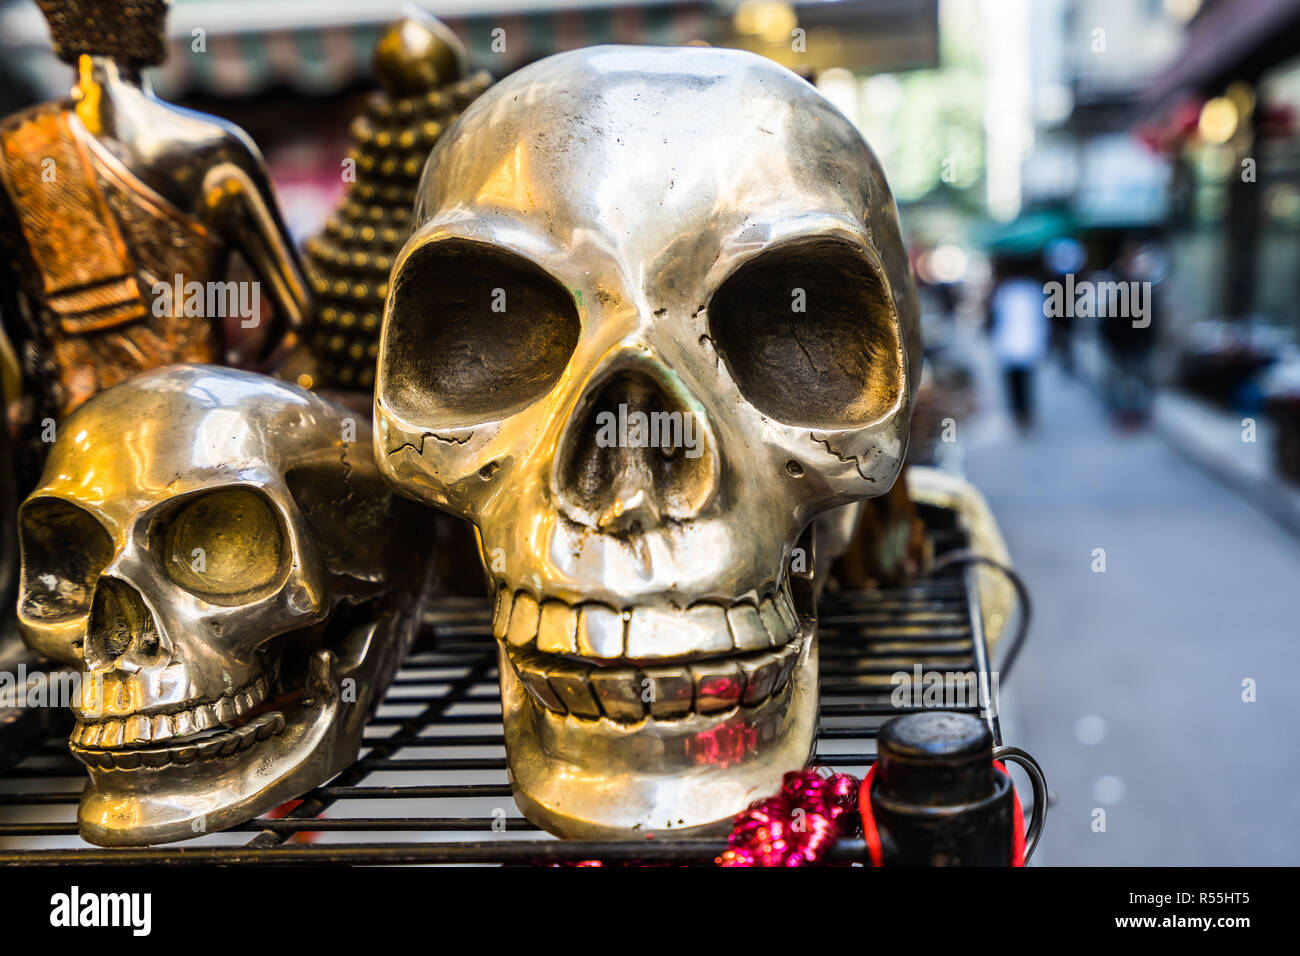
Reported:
(1225, 114)
(239, 48)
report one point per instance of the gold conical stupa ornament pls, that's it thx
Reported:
(422, 68)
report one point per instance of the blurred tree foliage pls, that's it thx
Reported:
(927, 126)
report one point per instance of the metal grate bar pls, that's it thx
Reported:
(319, 800)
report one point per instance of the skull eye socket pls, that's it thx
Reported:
(64, 549)
(227, 547)
(810, 335)
(473, 333)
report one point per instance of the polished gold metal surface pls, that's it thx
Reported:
(113, 199)
(422, 68)
(215, 553)
(417, 54)
(689, 242)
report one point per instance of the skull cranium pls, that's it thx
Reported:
(698, 238)
(216, 551)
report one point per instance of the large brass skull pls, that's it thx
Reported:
(621, 231)
(216, 552)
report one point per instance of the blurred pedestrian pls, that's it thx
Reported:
(1019, 332)
(1063, 257)
(1129, 337)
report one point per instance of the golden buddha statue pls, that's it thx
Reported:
(119, 213)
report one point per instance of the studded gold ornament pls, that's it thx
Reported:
(421, 66)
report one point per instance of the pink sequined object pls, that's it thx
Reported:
(798, 825)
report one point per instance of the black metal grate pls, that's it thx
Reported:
(431, 786)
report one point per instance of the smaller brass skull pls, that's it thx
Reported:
(215, 549)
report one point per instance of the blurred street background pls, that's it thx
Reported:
(1102, 205)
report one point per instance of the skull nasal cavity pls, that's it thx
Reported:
(633, 456)
(121, 627)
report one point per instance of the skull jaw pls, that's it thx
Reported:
(322, 736)
(145, 806)
(598, 780)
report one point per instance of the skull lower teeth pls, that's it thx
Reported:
(629, 694)
(223, 743)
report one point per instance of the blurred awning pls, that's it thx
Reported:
(1229, 39)
(869, 36)
(326, 56)
(242, 47)
(239, 48)
(1027, 234)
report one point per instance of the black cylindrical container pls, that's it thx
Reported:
(936, 798)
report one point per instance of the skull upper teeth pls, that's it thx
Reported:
(590, 660)
(646, 633)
